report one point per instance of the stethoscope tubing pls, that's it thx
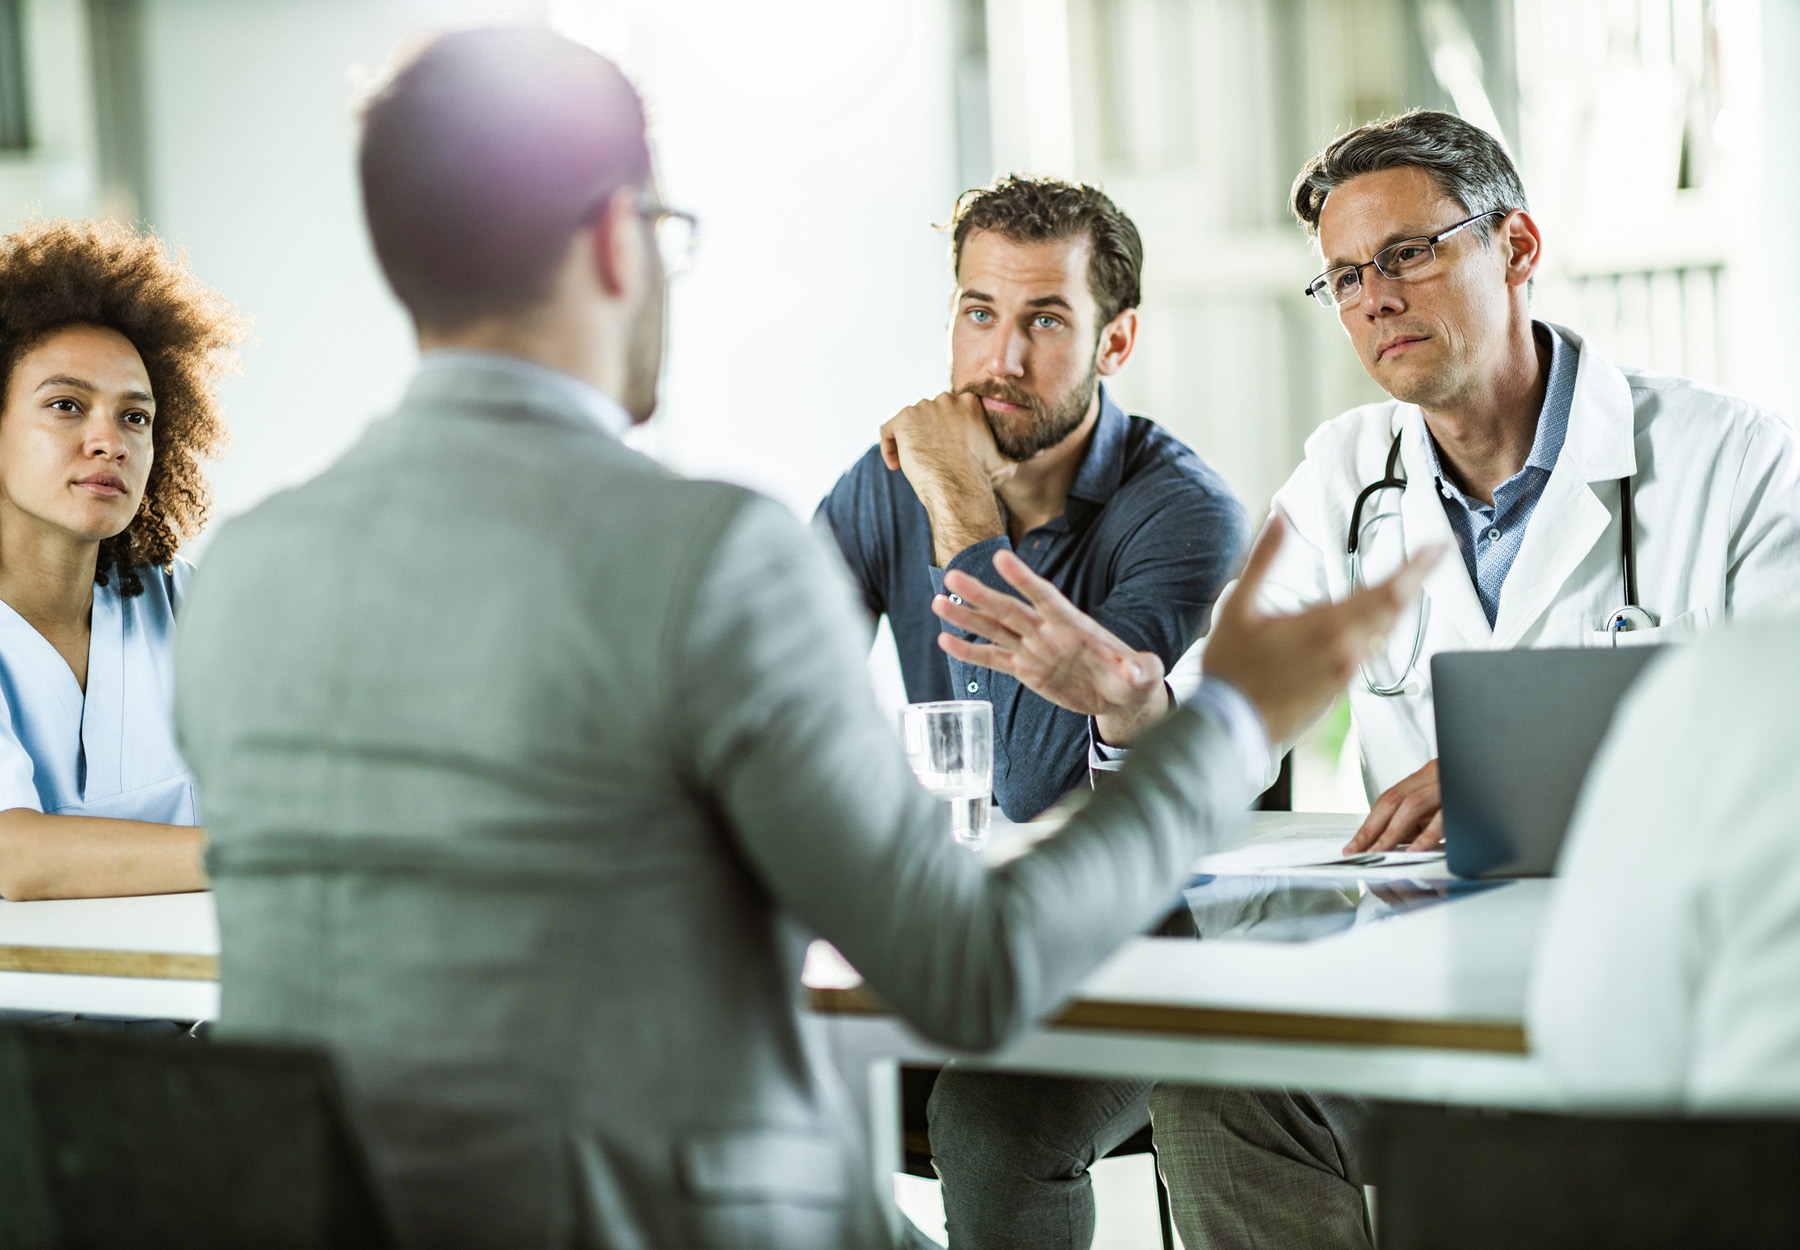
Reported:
(1391, 479)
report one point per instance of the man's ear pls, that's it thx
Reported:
(1117, 338)
(1524, 247)
(616, 240)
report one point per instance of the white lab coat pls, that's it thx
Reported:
(1670, 955)
(1716, 494)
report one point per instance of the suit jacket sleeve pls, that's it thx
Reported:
(778, 727)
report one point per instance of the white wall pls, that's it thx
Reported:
(252, 165)
(813, 138)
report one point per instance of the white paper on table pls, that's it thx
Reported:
(1311, 846)
(1292, 847)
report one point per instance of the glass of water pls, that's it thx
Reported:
(951, 749)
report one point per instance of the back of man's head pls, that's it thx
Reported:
(481, 159)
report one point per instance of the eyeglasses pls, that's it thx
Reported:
(1406, 259)
(677, 233)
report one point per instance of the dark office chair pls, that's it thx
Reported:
(1481, 1180)
(122, 1142)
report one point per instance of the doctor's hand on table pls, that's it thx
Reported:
(1289, 667)
(1409, 813)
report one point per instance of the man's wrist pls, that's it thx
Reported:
(1118, 728)
(961, 516)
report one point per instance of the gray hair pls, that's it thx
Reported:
(1468, 163)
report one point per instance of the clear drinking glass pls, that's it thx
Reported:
(951, 749)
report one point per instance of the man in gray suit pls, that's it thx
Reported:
(530, 768)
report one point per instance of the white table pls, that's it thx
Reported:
(150, 956)
(1421, 1005)
(1427, 1005)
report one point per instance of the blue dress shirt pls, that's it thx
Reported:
(1149, 536)
(1490, 534)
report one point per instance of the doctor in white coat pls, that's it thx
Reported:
(1714, 530)
(1587, 505)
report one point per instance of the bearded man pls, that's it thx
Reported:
(1027, 453)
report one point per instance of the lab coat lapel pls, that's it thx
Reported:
(103, 711)
(1570, 517)
(1452, 597)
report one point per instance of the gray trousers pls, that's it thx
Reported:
(1262, 1169)
(1013, 1152)
(1245, 1168)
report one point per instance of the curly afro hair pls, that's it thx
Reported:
(55, 274)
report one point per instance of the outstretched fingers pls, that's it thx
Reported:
(1046, 598)
(980, 623)
(1374, 609)
(1004, 609)
(980, 654)
(1242, 601)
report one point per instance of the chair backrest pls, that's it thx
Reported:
(1475, 1180)
(120, 1141)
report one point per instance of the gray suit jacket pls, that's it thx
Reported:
(529, 771)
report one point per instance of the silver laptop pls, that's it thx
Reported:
(1516, 731)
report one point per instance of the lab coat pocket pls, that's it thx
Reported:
(1681, 629)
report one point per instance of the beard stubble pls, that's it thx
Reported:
(1048, 421)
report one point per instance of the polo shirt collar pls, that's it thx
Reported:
(1103, 467)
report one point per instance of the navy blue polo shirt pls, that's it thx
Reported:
(1149, 536)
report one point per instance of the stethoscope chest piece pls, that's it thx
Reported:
(1625, 620)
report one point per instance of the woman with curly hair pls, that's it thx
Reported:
(110, 351)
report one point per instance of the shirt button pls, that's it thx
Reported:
(1493, 535)
(956, 599)
(974, 686)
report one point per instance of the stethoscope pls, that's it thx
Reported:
(1621, 620)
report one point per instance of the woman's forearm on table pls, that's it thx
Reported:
(43, 857)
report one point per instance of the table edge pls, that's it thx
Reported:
(1489, 1036)
(87, 961)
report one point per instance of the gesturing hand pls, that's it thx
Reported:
(1292, 667)
(1053, 648)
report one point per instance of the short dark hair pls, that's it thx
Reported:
(483, 156)
(1035, 210)
(57, 274)
(1468, 163)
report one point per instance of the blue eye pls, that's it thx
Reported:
(980, 316)
(1044, 321)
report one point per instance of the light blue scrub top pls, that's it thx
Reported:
(113, 752)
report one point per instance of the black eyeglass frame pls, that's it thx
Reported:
(654, 211)
(1320, 284)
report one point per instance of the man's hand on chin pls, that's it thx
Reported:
(946, 449)
(1411, 811)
